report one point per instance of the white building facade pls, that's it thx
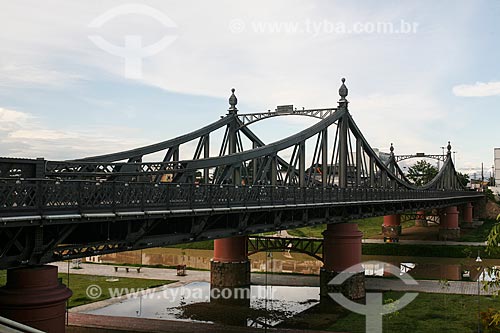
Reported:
(497, 166)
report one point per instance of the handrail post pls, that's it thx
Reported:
(143, 196)
(79, 197)
(113, 196)
(39, 196)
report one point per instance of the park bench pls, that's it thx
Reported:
(127, 268)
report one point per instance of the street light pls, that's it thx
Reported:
(479, 261)
(268, 255)
(442, 155)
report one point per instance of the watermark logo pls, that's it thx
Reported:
(93, 291)
(133, 51)
(374, 308)
(316, 28)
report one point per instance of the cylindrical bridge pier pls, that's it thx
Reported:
(449, 228)
(34, 296)
(342, 253)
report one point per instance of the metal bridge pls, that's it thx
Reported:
(53, 210)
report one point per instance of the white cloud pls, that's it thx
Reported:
(479, 89)
(40, 134)
(35, 76)
(23, 135)
(397, 118)
(11, 119)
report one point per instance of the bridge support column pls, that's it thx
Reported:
(230, 271)
(467, 214)
(342, 251)
(391, 229)
(420, 220)
(448, 228)
(35, 297)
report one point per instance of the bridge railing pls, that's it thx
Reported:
(42, 196)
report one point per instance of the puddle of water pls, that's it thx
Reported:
(169, 303)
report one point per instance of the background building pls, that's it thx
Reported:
(496, 171)
(497, 166)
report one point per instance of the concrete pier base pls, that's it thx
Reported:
(421, 221)
(229, 274)
(352, 288)
(449, 234)
(391, 228)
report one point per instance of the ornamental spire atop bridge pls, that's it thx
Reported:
(343, 91)
(449, 148)
(232, 102)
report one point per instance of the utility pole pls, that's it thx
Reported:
(442, 155)
(482, 177)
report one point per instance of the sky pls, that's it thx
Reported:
(81, 78)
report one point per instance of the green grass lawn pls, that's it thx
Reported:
(209, 244)
(202, 245)
(421, 250)
(427, 313)
(79, 284)
(371, 226)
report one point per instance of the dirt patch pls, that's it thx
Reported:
(486, 209)
(492, 210)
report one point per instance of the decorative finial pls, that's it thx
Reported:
(343, 91)
(232, 102)
(449, 147)
(392, 149)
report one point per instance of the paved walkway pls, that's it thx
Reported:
(146, 272)
(424, 242)
(126, 324)
(427, 286)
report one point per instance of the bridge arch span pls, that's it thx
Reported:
(312, 247)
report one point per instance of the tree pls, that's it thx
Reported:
(463, 178)
(492, 316)
(422, 172)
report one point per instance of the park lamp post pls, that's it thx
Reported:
(479, 261)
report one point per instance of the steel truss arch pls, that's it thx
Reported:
(250, 118)
(312, 247)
